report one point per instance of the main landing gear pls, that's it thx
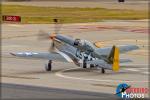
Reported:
(103, 70)
(48, 67)
(92, 65)
(84, 64)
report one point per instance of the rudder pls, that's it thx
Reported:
(114, 58)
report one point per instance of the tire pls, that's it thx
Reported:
(103, 70)
(92, 66)
(121, 0)
(48, 67)
(84, 64)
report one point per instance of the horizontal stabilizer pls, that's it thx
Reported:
(125, 60)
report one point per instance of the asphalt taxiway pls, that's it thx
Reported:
(23, 37)
(15, 91)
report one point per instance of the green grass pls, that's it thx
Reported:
(32, 14)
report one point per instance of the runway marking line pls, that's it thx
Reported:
(105, 85)
(20, 77)
(59, 74)
(132, 69)
(15, 25)
(145, 73)
(137, 70)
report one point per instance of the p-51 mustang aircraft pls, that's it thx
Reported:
(80, 52)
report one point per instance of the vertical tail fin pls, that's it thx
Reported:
(114, 58)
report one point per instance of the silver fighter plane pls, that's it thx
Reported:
(80, 52)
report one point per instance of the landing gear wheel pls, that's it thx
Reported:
(103, 70)
(91, 65)
(84, 64)
(49, 66)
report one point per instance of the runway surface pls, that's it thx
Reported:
(15, 91)
(110, 4)
(23, 37)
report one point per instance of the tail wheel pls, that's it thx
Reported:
(103, 70)
(48, 67)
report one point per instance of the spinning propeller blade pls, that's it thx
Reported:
(57, 25)
(43, 35)
(46, 36)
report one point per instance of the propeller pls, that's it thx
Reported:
(42, 35)
(57, 25)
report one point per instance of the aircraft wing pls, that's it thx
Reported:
(36, 55)
(122, 49)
